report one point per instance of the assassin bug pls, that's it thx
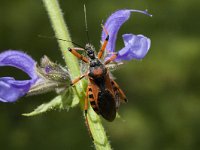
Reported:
(103, 93)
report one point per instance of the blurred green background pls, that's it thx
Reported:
(163, 89)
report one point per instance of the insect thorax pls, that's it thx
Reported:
(96, 68)
(97, 72)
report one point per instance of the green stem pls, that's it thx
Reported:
(61, 31)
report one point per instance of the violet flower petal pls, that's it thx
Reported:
(113, 24)
(19, 60)
(136, 47)
(11, 89)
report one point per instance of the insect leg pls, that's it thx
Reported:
(75, 53)
(112, 57)
(103, 47)
(78, 79)
(122, 95)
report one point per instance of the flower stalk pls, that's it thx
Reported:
(61, 31)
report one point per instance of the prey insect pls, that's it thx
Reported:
(103, 93)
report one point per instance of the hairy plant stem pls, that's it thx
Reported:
(61, 31)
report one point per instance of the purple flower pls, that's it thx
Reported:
(136, 46)
(47, 77)
(11, 89)
(51, 76)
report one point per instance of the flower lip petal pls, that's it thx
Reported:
(113, 24)
(136, 47)
(11, 89)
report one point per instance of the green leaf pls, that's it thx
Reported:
(70, 98)
(55, 103)
(65, 101)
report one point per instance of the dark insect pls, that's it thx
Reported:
(103, 93)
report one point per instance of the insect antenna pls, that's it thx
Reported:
(86, 26)
(52, 37)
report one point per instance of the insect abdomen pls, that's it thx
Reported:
(91, 98)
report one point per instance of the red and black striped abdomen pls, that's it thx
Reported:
(93, 91)
(104, 104)
(102, 100)
(92, 97)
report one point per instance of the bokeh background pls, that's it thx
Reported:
(163, 89)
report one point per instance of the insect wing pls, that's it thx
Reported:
(106, 100)
(107, 105)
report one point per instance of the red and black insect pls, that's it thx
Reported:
(103, 93)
